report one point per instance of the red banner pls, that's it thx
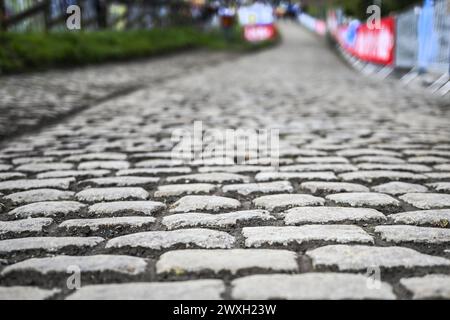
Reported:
(256, 33)
(372, 45)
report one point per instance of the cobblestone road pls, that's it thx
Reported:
(363, 188)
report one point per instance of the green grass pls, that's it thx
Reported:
(21, 52)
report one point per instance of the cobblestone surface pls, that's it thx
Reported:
(362, 183)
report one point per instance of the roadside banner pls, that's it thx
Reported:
(257, 33)
(258, 22)
(371, 45)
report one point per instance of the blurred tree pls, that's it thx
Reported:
(357, 8)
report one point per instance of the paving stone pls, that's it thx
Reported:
(59, 265)
(106, 223)
(301, 176)
(252, 188)
(18, 227)
(158, 240)
(435, 218)
(442, 167)
(235, 169)
(440, 186)
(229, 219)
(259, 236)
(26, 293)
(156, 163)
(125, 207)
(323, 286)
(204, 203)
(41, 167)
(413, 234)
(96, 156)
(431, 286)
(321, 160)
(216, 177)
(378, 159)
(47, 209)
(172, 190)
(396, 188)
(5, 167)
(286, 201)
(322, 215)
(108, 165)
(153, 171)
(72, 173)
(438, 175)
(122, 181)
(177, 290)
(395, 167)
(370, 176)
(364, 199)
(337, 168)
(367, 152)
(427, 200)
(25, 160)
(428, 160)
(361, 257)
(37, 195)
(112, 194)
(416, 152)
(11, 175)
(229, 260)
(319, 187)
(47, 244)
(27, 184)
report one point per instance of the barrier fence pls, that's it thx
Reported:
(418, 38)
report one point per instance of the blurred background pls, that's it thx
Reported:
(410, 42)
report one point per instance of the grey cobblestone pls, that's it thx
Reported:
(215, 220)
(270, 176)
(19, 227)
(359, 258)
(397, 188)
(364, 199)
(434, 218)
(27, 184)
(47, 244)
(204, 203)
(286, 201)
(38, 195)
(308, 286)
(432, 286)
(112, 194)
(260, 236)
(60, 264)
(157, 240)
(47, 209)
(318, 187)
(246, 189)
(233, 261)
(75, 225)
(319, 215)
(26, 293)
(427, 200)
(405, 234)
(172, 190)
(123, 181)
(216, 177)
(181, 290)
(125, 207)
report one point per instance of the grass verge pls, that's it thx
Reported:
(22, 52)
